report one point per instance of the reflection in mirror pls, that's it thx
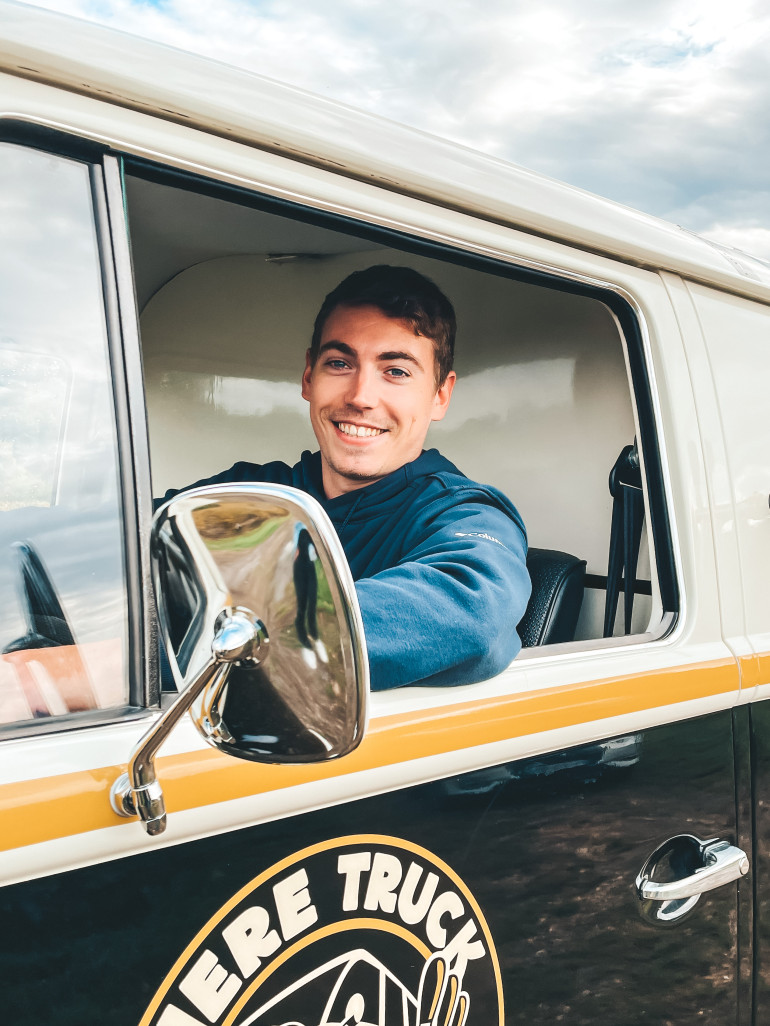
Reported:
(255, 573)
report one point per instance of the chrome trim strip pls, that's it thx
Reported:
(125, 459)
(665, 629)
(138, 471)
(69, 722)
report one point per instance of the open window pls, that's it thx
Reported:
(552, 383)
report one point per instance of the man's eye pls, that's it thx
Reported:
(336, 364)
(398, 372)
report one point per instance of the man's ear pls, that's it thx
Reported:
(306, 376)
(442, 397)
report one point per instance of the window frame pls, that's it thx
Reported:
(622, 306)
(124, 361)
(108, 168)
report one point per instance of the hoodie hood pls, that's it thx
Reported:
(386, 497)
(381, 495)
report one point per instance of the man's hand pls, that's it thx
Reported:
(441, 1001)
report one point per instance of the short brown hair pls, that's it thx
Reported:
(405, 295)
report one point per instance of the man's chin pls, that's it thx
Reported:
(361, 476)
(356, 475)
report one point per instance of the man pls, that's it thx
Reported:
(439, 561)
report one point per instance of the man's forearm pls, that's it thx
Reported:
(444, 622)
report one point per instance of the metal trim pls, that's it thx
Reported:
(68, 722)
(123, 429)
(135, 426)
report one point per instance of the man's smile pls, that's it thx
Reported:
(357, 430)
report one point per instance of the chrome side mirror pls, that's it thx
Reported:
(260, 620)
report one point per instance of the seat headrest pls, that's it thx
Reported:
(558, 582)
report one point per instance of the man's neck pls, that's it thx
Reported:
(336, 484)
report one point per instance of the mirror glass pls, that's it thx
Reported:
(268, 557)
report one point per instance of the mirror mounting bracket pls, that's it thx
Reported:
(240, 637)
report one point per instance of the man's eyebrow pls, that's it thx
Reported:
(341, 347)
(398, 355)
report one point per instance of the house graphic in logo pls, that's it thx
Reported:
(363, 992)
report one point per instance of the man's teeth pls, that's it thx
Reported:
(358, 431)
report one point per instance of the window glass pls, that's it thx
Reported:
(62, 582)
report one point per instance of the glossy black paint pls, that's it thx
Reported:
(760, 743)
(549, 847)
(744, 799)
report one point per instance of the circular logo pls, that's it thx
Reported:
(358, 931)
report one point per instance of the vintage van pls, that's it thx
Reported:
(582, 839)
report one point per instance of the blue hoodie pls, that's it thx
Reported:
(439, 564)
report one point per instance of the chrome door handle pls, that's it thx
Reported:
(722, 863)
(711, 863)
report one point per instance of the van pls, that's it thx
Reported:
(579, 839)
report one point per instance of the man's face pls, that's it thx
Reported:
(372, 395)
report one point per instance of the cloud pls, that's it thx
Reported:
(660, 106)
(754, 239)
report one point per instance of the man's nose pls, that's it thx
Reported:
(361, 391)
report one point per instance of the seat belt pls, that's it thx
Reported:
(625, 536)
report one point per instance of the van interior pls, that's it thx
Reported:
(228, 287)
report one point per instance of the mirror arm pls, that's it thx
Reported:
(138, 792)
(239, 636)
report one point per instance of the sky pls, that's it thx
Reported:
(659, 104)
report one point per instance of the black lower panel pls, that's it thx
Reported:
(549, 848)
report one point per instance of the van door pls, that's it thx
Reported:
(476, 859)
(547, 791)
(732, 340)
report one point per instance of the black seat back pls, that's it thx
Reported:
(558, 581)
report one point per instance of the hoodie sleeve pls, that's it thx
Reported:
(447, 612)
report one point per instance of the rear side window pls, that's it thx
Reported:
(63, 619)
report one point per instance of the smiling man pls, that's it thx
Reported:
(439, 561)
(374, 385)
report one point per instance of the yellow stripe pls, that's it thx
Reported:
(755, 669)
(72, 803)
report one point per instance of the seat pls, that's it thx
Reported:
(558, 582)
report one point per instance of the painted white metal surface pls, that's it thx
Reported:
(183, 89)
(715, 458)
(95, 846)
(737, 341)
